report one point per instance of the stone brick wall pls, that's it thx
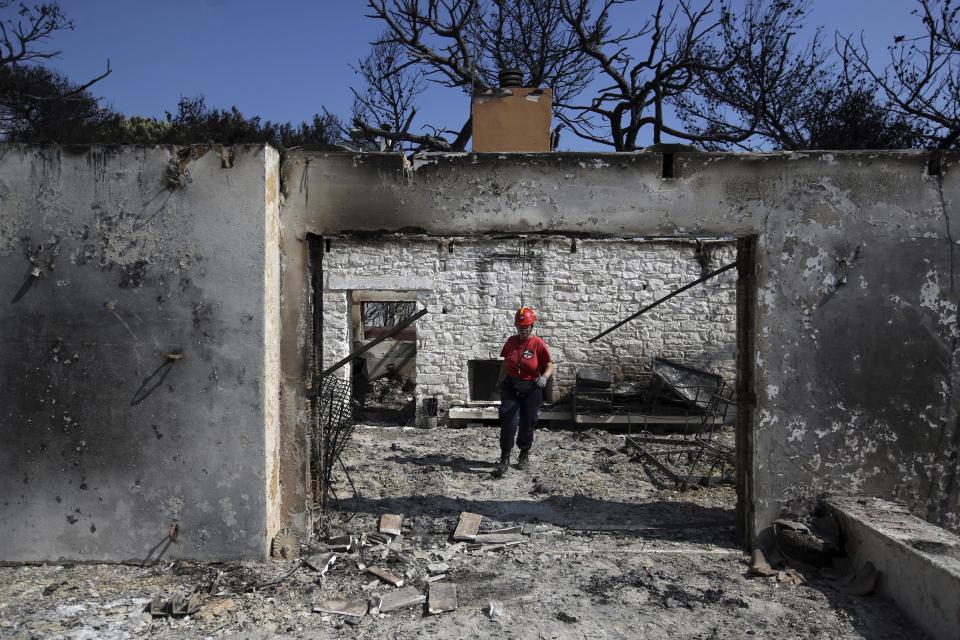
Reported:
(472, 287)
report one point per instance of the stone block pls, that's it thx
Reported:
(405, 597)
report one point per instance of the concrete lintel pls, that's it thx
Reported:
(919, 563)
(335, 282)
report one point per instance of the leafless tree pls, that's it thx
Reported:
(643, 68)
(921, 79)
(464, 43)
(387, 99)
(699, 71)
(773, 91)
(21, 37)
(26, 88)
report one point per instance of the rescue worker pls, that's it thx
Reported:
(524, 372)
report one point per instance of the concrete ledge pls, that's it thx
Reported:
(919, 563)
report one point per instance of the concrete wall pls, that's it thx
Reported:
(105, 441)
(856, 329)
(472, 287)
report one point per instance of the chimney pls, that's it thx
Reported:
(513, 117)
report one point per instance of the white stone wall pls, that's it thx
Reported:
(473, 286)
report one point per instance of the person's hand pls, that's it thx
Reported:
(542, 381)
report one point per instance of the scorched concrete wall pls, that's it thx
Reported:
(140, 362)
(856, 360)
(473, 286)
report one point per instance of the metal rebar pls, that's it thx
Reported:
(664, 299)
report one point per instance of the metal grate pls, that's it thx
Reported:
(332, 426)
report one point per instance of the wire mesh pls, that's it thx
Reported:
(332, 426)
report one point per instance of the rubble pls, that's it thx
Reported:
(442, 597)
(390, 524)
(386, 576)
(467, 526)
(566, 579)
(320, 562)
(343, 607)
(405, 597)
(212, 610)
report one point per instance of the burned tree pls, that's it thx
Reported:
(32, 97)
(921, 81)
(463, 44)
(786, 94)
(773, 92)
(643, 69)
(609, 84)
(385, 105)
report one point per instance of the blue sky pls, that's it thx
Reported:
(285, 59)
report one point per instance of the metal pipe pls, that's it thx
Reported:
(664, 299)
(397, 329)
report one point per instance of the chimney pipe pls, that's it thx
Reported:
(510, 78)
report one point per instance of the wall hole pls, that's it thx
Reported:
(667, 165)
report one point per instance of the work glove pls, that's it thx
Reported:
(542, 381)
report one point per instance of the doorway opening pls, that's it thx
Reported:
(384, 377)
(479, 288)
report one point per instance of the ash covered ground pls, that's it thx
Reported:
(666, 581)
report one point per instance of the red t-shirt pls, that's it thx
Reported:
(526, 359)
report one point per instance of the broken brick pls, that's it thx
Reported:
(467, 526)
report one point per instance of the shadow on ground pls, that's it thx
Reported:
(458, 463)
(667, 520)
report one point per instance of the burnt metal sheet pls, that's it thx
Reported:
(442, 597)
(390, 523)
(688, 383)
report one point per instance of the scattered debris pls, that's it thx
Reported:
(390, 524)
(377, 538)
(759, 565)
(320, 562)
(343, 607)
(442, 597)
(497, 538)
(467, 526)
(210, 611)
(505, 530)
(177, 606)
(684, 581)
(342, 543)
(386, 576)
(405, 597)
(801, 546)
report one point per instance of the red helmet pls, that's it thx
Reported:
(525, 317)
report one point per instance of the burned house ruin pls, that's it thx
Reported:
(167, 310)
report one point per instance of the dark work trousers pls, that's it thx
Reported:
(518, 412)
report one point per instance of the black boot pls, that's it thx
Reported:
(523, 461)
(503, 465)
